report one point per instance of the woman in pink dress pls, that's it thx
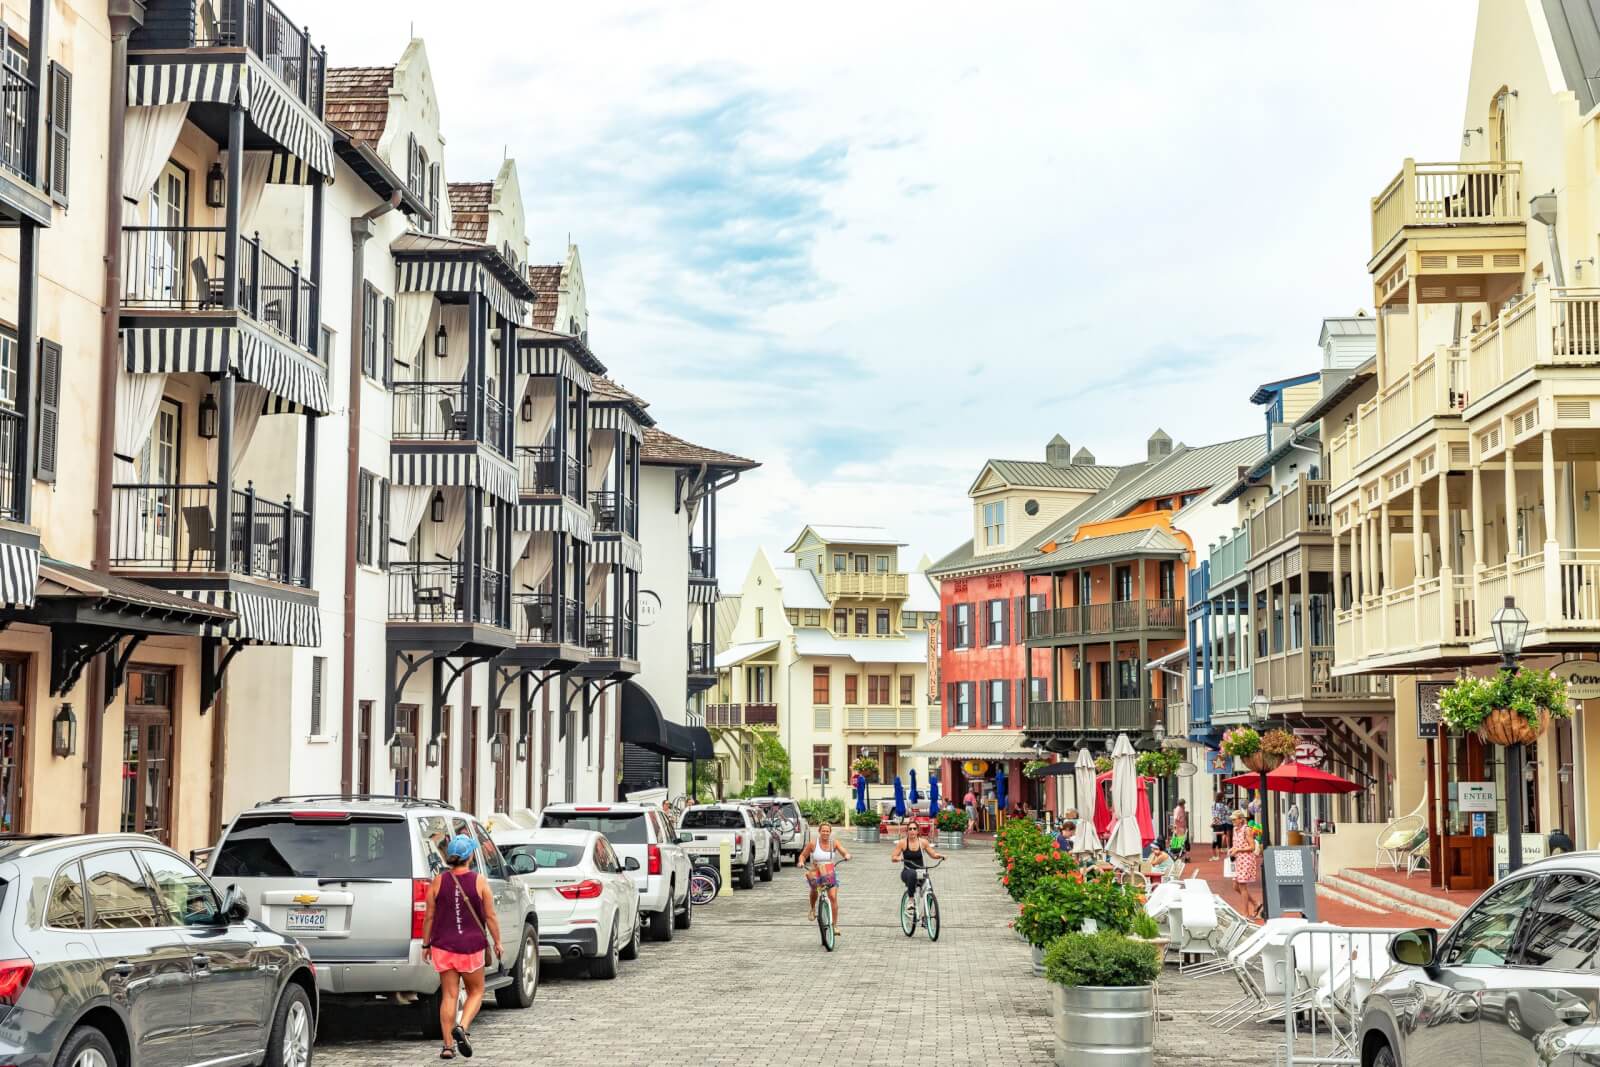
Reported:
(1245, 850)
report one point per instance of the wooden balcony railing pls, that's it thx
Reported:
(1447, 194)
(172, 529)
(1307, 674)
(1549, 327)
(864, 584)
(1089, 715)
(1229, 555)
(901, 718)
(1093, 620)
(1437, 385)
(741, 715)
(1299, 507)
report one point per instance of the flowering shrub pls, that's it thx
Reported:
(1279, 744)
(1060, 904)
(1159, 764)
(952, 819)
(1024, 870)
(1240, 741)
(1018, 836)
(1102, 764)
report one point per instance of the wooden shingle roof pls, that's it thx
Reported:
(469, 210)
(666, 450)
(546, 281)
(357, 101)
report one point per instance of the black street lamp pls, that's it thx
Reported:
(1510, 626)
(1259, 707)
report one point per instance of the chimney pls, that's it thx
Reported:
(1084, 458)
(1159, 446)
(1058, 453)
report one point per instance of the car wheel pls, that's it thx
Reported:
(661, 921)
(1384, 1057)
(685, 918)
(427, 1009)
(747, 877)
(606, 966)
(524, 985)
(766, 870)
(292, 1030)
(87, 1047)
(630, 951)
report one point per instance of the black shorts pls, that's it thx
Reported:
(908, 875)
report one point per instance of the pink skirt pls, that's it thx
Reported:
(460, 962)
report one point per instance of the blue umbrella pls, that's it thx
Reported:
(999, 789)
(933, 797)
(915, 796)
(861, 793)
(899, 798)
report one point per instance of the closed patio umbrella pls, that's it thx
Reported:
(915, 796)
(1085, 839)
(933, 797)
(899, 798)
(999, 793)
(1125, 839)
(861, 792)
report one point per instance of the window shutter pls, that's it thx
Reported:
(433, 197)
(1022, 619)
(1005, 622)
(318, 663)
(364, 518)
(367, 327)
(388, 340)
(60, 125)
(383, 523)
(49, 410)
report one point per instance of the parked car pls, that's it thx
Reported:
(792, 842)
(639, 832)
(116, 951)
(349, 877)
(708, 825)
(584, 893)
(1512, 984)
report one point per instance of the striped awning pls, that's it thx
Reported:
(612, 417)
(294, 382)
(703, 592)
(260, 618)
(492, 474)
(457, 275)
(19, 575)
(547, 361)
(623, 550)
(306, 141)
(564, 516)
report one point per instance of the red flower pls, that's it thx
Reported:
(1056, 853)
(1038, 857)
(1005, 879)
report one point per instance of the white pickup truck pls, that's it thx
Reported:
(707, 825)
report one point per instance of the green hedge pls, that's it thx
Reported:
(1103, 959)
(818, 812)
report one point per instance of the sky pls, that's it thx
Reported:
(872, 245)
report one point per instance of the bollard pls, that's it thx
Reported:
(725, 866)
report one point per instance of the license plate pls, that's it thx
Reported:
(307, 919)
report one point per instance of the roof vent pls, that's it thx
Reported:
(1084, 458)
(1058, 453)
(1158, 446)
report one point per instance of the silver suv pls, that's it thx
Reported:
(349, 877)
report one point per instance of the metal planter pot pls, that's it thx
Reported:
(868, 835)
(1103, 1025)
(1038, 959)
(952, 839)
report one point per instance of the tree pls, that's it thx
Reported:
(772, 766)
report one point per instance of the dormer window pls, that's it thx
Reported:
(994, 524)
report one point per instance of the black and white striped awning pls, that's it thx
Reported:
(703, 592)
(294, 382)
(458, 275)
(552, 517)
(623, 550)
(547, 361)
(490, 473)
(242, 79)
(260, 618)
(611, 417)
(19, 575)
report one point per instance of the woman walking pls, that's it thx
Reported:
(1244, 849)
(460, 924)
(1178, 844)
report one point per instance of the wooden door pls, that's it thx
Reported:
(469, 765)
(364, 750)
(147, 753)
(13, 738)
(1468, 860)
(502, 770)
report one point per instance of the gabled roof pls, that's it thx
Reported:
(662, 449)
(1267, 392)
(363, 159)
(610, 393)
(1150, 541)
(357, 101)
(469, 210)
(800, 589)
(1341, 390)
(1028, 474)
(848, 535)
(546, 281)
(1347, 326)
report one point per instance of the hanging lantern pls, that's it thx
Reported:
(437, 510)
(207, 427)
(64, 732)
(497, 750)
(527, 407)
(441, 340)
(216, 185)
(431, 754)
(522, 750)
(400, 752)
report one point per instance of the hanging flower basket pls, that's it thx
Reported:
(1505, 727)
(1507, 709)
(1261, 762)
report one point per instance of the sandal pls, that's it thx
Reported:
(447, 1053)
(463, 1041)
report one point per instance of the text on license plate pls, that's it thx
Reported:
(307, 919)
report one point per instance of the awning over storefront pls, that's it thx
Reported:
(643, 724)
(978, 744)
(261, 618)
(604, 416)
(19, 574)
(734, 655)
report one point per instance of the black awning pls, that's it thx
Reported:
(690, 742)
(642, 722)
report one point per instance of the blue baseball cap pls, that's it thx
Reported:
(460, 847)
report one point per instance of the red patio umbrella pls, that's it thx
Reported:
(1299, 778)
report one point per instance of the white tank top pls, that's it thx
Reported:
(820, 854)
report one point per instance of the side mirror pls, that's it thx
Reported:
(685, 839)
(522, 863)
(1415, 948)
(630, 864)
(235, 908)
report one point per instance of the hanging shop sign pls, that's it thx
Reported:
(1582, 677)
(975, 768)
(1428, 708)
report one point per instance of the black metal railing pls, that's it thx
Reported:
(605, 640)
(494, 423)
(702, 659)
(173, 528)
(1088, 715)
(702, 562)
(185, 268)
(437, 592)
(431, 411)
(262, 27)
(613, 512)
(539, 470)
(493, 588)
(545, 618)
(12, 427)
(19, 147)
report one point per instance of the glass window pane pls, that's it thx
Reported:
(1485, 935)
(119, 894)
(65, 908)
(1564, 930)
(186, 895)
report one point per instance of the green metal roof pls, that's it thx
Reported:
(1030, 474)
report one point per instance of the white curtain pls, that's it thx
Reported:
(411, 314)
(519, 545)
(529, 574)
(594, 590)
(148, 136)
(602, 447)
(248, 401)
(138, 400)
(543, 391)
(257, 165)
(407, 505)
(453, 367)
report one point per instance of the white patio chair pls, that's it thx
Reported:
(1400, 841)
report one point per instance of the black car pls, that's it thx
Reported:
(115, 951)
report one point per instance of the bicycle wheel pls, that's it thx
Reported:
(930, 915)
(825, 921)
(702, 890)
(908, 915)
(707, 870)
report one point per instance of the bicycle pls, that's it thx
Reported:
(825, 915)
(929, 915)
(705, 882)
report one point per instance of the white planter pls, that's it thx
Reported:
(1103, 1025)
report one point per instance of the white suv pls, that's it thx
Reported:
(639, 832)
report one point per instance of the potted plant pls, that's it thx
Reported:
(1026, 868)
(1258, 752)
(866, 824)
(1068, 902)
(1161, 763)
(1103, 998)
(1506, 709)
(952, 826)
(1034, 767)
(865, 766)
(1102, 764)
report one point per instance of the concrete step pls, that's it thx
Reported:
(1349, 900)
(1385, 896)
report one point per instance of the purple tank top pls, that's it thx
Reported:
(457, 913)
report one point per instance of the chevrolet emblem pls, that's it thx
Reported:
(306, 898)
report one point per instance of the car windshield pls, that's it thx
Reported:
(545, 854)
(280, 846)
(712, 819)
(620, 827)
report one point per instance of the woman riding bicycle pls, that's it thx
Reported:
(819, 858)
(911, 850)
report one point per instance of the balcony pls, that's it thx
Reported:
(1550, 327)
(437, 593)
(1436, 386)
(605, 640)
(1104, 716)
(1423, 617)
(12, 427)
(702, 562)
(19, 143)
(1308, 676)
(614, 513)
(1230, 695)
(171, 529)
(1298, 508)
(1097, 620)
(742, 715)
(543, 471)
(183, 268)
(837, 584)
(262, 27)
(544, 618)
(1229, 556)
(702, 659)
(1446, 195)
(880, 719)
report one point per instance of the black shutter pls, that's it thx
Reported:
(1022, 620)
(433, 197)
(364, 518)
(318, 665)
(388, 340)
(383, 523)
(368, 327)
(49, 408)
(60, 127)
(1005, 622)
